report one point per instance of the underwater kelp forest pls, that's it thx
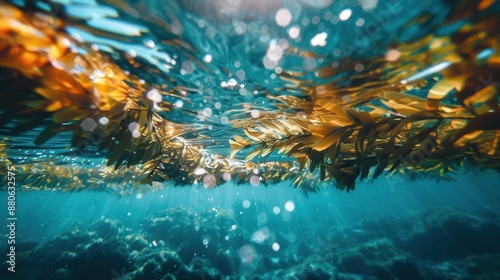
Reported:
(264, 139)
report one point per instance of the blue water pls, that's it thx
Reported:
(334, 226)
(388, 228)
(373, 200)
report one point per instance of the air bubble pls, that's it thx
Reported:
(88, 124)
(241, 74)
(276, 246)
(133, 126)
(319, 40)
(188, 67)
(392, 55)
(283, 17)
(345, 14)
(246, 204)
(179, 103)
(294, 32)
(207, 58)
(154, 96)
(207, 112)
(209, 181)
(149, 43)
(232, 83)
(255, 180)
(199, 171)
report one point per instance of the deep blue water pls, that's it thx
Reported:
(412, 230)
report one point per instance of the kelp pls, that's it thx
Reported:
(397, 116)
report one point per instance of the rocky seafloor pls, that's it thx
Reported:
(444, 243)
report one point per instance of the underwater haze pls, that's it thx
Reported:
(264, 139)
(411, 230)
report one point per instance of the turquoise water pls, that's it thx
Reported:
(415, 230)
(428, 230)
(228, 55)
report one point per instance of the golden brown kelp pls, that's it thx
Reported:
(46, 73)
(427, 106)
(384, 121)
(82, 91)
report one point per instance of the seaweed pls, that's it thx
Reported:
(396, 116)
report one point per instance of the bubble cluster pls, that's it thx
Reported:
(232, 82)
(319, 40)
(134, 128)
